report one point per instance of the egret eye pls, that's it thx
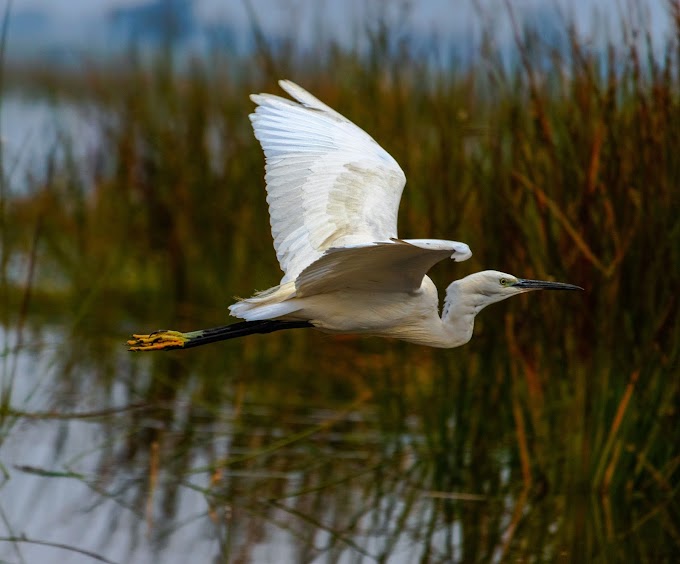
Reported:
(504, 281)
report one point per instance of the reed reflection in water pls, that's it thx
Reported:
(276, 469)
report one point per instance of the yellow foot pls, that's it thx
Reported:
(157, 341)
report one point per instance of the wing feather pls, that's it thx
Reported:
(390, 266)
(329, 184)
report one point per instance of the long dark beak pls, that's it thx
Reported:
(543, 285)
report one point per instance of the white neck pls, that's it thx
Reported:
(458, 314)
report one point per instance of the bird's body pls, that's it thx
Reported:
(333, 196)
(361, 295)
(410, 316)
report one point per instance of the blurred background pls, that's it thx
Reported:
(544, 134)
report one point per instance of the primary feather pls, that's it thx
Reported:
(329, 184)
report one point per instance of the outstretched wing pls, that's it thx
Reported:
(392, 266)
(329, 184)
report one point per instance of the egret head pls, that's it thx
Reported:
(491, 286)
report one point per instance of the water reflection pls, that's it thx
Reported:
(163, 463)
(33, 138)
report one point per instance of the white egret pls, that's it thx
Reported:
(333, 196)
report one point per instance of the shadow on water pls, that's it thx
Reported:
(552, 436)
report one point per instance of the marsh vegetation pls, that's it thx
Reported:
(552, 436)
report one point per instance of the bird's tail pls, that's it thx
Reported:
(270, 304)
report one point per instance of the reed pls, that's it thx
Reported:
(567, 170)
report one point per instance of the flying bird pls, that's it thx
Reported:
(333, 196)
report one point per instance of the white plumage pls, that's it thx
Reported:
(329, 184)
(333, 196)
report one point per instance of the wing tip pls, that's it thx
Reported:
(462, 252)
(286, 83)
(294, 90)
